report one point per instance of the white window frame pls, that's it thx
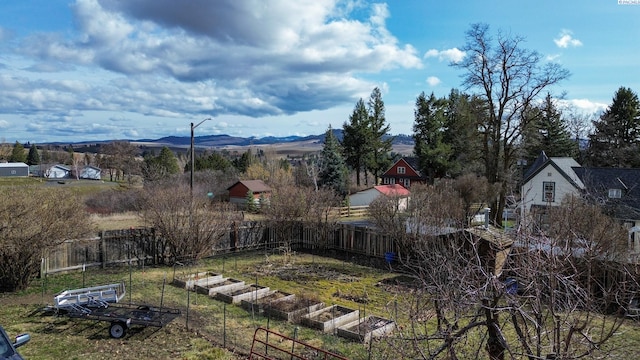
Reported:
(615, 193)
(402, 170)
(548, 191)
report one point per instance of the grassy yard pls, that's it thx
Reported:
(211, 323)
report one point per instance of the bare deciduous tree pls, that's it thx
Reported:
(33, 220)
(552, 293)
(190, 227)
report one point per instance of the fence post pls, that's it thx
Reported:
(103, 247)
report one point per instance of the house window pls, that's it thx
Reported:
(402, 170)
(548, 191)
(392, 181)
(407, 182)
(615, 193)
(385, 181)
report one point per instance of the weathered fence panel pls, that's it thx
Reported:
(143, 245)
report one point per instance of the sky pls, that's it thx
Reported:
(91, 70)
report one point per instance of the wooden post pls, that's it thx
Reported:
(103, 247)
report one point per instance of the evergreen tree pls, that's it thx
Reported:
(252, 207)
(17, 154)
(161, 166)
(461, 133)
(379, 147)
(167, 160)
(615, 141)
(34, 157)
(548, 133)
(428, 135)
(333, 171)
(243, 162)
(354, 141)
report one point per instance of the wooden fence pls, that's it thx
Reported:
(144, 246)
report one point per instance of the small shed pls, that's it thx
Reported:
(90, 172)
(57, 172)
(396, 191)
(238, 191)
(14, 169)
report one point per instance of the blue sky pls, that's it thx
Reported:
(82, 70)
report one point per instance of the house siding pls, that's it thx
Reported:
(533, 190)
(14, 170)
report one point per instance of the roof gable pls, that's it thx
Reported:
(564, 165)
(252, 185)
(409, 162)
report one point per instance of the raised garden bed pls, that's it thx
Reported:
(292, 308)
(330, 318)
(227, 285)
(191, 281)
(258, 305)
(247, 292)
(365, 329)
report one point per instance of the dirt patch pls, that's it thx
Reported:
(401, 284)
(293, 304)
(331, 313)
(304, 274)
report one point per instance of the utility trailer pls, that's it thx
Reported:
(102, 303)
(123, 316)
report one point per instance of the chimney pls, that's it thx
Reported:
(487, 212)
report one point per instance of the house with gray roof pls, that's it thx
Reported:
(616, 190)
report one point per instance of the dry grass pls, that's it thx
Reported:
(117, 221)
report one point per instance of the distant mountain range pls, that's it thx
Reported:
(227, 140)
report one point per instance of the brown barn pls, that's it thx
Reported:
(238, 191)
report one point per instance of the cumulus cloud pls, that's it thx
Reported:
(565, 39)
(453, 55)
(169, 58)
(584, 105)
(4, 124)
(433, 81)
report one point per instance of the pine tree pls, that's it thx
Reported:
(615, 141)
(17, 154)
(333, 171)
(549, 133)
(354, 141)
(34, 157)
(379, 147)
(428, 135)
(167, 160)
(252, 207)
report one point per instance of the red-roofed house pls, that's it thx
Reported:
(396, 191)
(238, 191)
(404, 172)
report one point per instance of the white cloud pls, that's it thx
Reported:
(553, 57)
(4, 124)
(453, 55)
(565, 39)
(433, 81)
(584, 105)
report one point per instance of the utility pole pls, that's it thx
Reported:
(193, 163)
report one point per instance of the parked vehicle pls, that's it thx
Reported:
(8, 348)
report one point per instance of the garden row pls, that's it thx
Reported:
(340, 320)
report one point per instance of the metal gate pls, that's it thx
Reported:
(271, 345)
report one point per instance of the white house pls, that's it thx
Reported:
(365, 197)
(90, 172)
(57, 172)
(550, 180)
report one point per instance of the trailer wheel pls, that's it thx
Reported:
(117, 330)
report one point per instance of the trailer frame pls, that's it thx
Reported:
(123, 316)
